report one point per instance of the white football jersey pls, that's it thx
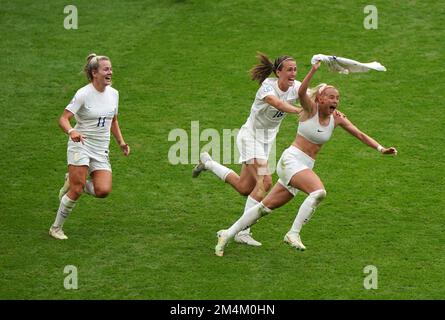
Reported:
(94, 111)
(264, 120)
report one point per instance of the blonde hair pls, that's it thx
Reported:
(318, 90)
(92, 64)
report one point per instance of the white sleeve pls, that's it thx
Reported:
(76, 103)
(265, 90)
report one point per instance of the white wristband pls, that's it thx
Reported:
(380, 148)
(70, 130)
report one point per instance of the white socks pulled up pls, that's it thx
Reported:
(307, 209)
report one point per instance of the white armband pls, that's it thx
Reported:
(70, 130)
(380, 148)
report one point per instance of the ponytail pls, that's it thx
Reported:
(262, 70)
(265, 67)
(92, 64)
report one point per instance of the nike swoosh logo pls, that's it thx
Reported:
(319, 130)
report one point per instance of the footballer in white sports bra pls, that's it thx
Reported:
(95, 108)
(317, 122)
(274, 99)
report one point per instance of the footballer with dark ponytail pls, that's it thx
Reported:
(265, 66)
(276, 97)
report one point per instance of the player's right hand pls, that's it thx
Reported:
(77, 137)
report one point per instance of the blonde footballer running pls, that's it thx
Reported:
(95, 109)
(275, 98)
(295, 167)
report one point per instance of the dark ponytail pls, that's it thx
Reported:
(262, 70)
(265, 67)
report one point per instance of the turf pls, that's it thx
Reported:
(181, 61)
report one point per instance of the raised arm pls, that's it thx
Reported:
(306, 102)
(363, 137)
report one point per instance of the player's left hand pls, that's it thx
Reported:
(390, 150)
(125, 149)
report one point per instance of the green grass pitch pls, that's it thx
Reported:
(181, 61)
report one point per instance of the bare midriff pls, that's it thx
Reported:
(311, 149)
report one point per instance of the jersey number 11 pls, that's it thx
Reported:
(101, 122)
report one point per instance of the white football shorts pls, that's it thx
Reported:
(79, 155)
(250, 148)
(292, 161)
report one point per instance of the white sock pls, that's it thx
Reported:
(65, 208)
(89, 188)
(307, 209)
(250, 202)
(248, 218)
(218, 169)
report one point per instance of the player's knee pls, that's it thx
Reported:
(77, 188)
(318, 195)
(244, 190)
(102, 192)
(244, 193)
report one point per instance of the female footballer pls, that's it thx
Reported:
(317, 122)
(95, 108)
